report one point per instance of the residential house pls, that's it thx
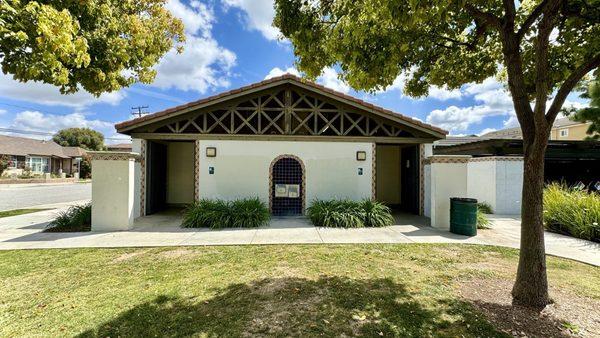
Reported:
(40, 156)
(563, 129)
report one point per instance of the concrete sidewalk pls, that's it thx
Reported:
(24, 232)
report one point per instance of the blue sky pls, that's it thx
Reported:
(231, 43)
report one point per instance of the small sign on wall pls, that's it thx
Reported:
(287, 190)
(281, 190)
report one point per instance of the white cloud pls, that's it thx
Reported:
(275, 72)
(435, 92)
(486, 130)
(492, 99)
(203, 65)
(329, 78)
(37, 121)
(459, 119)
(444, 94)
(258, 15)
(197, 18)
(46, 94)
(2, 111)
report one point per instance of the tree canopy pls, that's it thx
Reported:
(540, 48)
(85, 138)
(592, 113)
(98, 45)
(443, 43)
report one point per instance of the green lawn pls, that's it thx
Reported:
(17, 212)
(232, 291)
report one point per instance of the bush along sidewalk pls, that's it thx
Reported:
(216, 213)
(76, 218)
(349, 214)
(572, 211)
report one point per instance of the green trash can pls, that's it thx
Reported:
(463, 216)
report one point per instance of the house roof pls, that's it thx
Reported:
(21, 146)
(515, 133)
(120, 146)
(514, 147)
(287, 78)
(74, 151)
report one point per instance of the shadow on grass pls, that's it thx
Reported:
(329, 306)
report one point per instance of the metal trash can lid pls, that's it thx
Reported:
(463, 199)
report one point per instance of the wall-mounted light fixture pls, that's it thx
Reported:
(361, 155)
(211, 152)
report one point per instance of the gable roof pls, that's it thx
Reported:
(21, 146)
(126, 126)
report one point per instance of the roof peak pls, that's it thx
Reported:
(291, 78)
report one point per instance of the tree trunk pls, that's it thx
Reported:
(531, 286)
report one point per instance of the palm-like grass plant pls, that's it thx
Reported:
(217, 213)
(572, 211)
(76, 218)
(349, 214)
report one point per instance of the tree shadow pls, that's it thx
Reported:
(328, 306)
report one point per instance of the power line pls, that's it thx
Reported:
(139, 112)
(45, 133)
(33, 108)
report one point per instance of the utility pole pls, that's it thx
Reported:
(140, 111)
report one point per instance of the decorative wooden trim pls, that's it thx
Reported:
(299, 138)
(287, 110)
(197, 170)
(497, 158)
(303, 180)
(374, 171)
(114, 156)
(447, 159)
(285, 81)
(143, 177)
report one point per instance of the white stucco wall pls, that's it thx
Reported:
(447, 180)
(180, 172)
(241, 168)
(481, 182)
(509, 186)
(112, 195)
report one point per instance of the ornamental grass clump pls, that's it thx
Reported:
(572, 211)
(217, 213)
(349, 214)
(76, 218)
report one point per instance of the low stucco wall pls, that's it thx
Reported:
(495, 180)
(112, 193)
(241, 169)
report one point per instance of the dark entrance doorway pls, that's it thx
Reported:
(156, 177)
(410, 179)
(287, 192)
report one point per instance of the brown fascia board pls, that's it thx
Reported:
(123, 127)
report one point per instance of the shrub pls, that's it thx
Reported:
(85, 167)
(482, 221)
(4, 163)
(572, 211)
(349, 214)
(485, 208)
(76, 218)
(216, 213)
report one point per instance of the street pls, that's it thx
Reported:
(20, 197)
